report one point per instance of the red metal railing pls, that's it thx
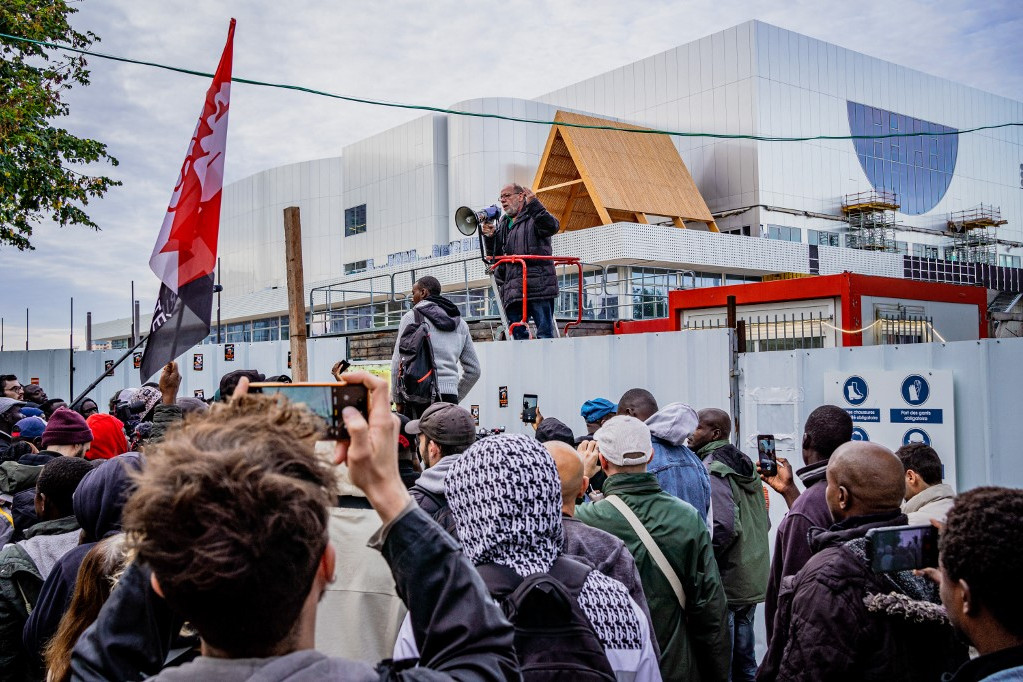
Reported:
(523, 261)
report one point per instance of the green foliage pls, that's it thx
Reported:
(37, 159)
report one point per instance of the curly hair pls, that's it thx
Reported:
(231, 516)
(981, 545)
(922, 459)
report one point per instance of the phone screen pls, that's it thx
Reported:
(326, 401)
(766, 454)
(529, 402)
(902, 548)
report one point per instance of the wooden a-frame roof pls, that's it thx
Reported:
(589, 177)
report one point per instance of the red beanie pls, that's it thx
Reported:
(66, 427)
(108, 437)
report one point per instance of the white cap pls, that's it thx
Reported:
(625, 441)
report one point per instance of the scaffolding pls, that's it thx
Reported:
(973, 234)
(871, 218)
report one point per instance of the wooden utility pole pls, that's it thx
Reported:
(296, 293)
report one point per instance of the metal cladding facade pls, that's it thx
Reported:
(753, 79)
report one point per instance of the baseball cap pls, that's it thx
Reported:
(594, 410)
(29, 428)
(446, 424)
(625, 441)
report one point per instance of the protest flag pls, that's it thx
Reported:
(186, 250)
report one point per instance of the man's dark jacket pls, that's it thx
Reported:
(838, 620)
(792, 544)
(460, 631)
(529, 234)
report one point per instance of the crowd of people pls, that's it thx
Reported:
(173, 539)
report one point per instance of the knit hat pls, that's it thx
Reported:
(7, 403)
(108, 437)
(625, 441)
(29, 428)
(31, 411)
(598, 408)
(191, 405)
(505, 496)
(554, 429)
(66, 427)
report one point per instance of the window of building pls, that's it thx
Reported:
(784, 233)
(925, 251)
(902, 247)
(1007, 261)
(743, 231)
(355, 220)
(358, 266)
(822, 238)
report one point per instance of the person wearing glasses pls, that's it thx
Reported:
(525, 228)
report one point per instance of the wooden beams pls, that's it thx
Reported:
(590, 176)
(577, 181)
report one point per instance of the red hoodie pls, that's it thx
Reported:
(108, 439)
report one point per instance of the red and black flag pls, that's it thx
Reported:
(185, 254)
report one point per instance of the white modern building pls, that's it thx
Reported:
(384, 207)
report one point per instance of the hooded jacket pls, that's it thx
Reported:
(98, 502)
(463, 633)
(838, 620)
(529, 234)
(792, 543)
(677, 468)
(23, 567)
(452, 347)
(505, 496)
(428, 492)
(695, 644)
(740, 523)
(930, 503)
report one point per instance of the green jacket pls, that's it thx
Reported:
(20, 582)
(695, 644)
(740, 523)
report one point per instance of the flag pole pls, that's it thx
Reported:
(106, 372)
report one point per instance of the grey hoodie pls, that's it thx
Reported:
(297, 666)
(679, 471)
(452, 348)
(46, 550)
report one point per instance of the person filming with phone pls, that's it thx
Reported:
(525, 229)
(839, 618)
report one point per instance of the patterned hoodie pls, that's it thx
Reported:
(505, 497)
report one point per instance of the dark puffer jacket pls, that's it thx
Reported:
(838, 620)
(529, 235)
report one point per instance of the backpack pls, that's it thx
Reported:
(417, 379)
(554, 640)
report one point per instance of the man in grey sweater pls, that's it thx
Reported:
(454, 356)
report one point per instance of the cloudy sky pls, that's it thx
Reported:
(433, 53)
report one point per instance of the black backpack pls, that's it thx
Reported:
(554, 640)
(417, 378)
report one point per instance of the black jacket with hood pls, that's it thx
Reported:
(462, 632)
(98, 503)
(529, 234)
(838, 620)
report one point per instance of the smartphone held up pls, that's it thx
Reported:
(529, 404)
(902, 548)
(767, 456)
(327, 401)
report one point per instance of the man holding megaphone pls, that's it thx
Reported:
(524, 229)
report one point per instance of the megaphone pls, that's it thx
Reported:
(467, 220)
